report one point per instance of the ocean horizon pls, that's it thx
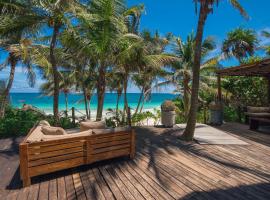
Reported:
(45, 103)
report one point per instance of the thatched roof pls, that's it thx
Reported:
(261, 68)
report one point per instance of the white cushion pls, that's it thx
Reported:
(89, 125)
(50, 130)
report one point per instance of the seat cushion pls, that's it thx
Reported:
(66, 136)
(252, 109)
(50, 130)
(87, 125)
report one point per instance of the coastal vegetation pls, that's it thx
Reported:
(97, 46)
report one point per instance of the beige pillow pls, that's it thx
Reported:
(87, 125)
(44, 123)
(50, 130)
(35, 136)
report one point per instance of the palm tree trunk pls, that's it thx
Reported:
(125, 93)
(89, 108)
(85, 102)
(126, 100)
(117, 101)
(4, 96)
(186, 96)
(139, 102)
(66, 101)
(191, 123)
(142, 105)
(101, 86)
(55, 74)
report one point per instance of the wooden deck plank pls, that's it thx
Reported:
(61, 188)
(70, 190)
(53, 190)
(44, 190)
(78, 186)
(122, 186)
(164, 168)
(95, 186)
(113, 187)
(33, 195)
(102, 184)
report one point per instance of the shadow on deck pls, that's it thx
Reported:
(164, 168)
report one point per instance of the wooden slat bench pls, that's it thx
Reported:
(43, 157)
(254, 122)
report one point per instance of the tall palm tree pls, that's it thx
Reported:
(206, 7)
(266, 34)
(11, 33)
(101, 37)
(182, 70)
(137, 56)
(240, 43)
(115, 83)
(66, 84)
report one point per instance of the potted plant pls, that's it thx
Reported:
(216, 113)
(168, 113)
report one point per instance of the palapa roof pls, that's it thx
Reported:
(260, 68)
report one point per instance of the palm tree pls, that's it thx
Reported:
(49, 14)
(182, 70)
(240, 43)
(266, 34)
(11, 33)
(66, 84)
(137, 56)
(115, 83)
(206, 7)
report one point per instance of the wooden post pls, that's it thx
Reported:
(73, 115)
(219, 88)
(133, 144)
(23, 148)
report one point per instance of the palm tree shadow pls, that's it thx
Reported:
(231, 193)
(151, 140)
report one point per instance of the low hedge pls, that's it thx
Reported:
(18, 122)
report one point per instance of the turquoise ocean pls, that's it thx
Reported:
(45, 103)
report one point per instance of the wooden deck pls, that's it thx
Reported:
(164, 168)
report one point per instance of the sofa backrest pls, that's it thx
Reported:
(252, 109)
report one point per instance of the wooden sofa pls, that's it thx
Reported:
(257, 115)
(72, 150)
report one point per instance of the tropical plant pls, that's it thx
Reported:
(206, 7)
(65, 85)
(181, 75)
(12, 33)
(240, 43)
(266, 34)
(115, 83)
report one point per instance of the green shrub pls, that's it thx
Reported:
(168, 106)
(18, 122)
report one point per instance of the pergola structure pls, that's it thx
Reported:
(260, 68)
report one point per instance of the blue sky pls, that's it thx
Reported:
(178, 17)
